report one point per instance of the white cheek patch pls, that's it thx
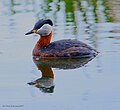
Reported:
(45, 30)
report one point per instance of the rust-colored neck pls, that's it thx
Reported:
(42, 42)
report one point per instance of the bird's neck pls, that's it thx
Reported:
(42, 42)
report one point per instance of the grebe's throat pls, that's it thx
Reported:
(42, 42)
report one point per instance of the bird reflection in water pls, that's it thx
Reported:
(45, 83)
(45, 65)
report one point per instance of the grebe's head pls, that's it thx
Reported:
(42, 27)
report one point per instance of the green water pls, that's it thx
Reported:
(92, 86)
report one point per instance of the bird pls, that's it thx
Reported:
(65, 48)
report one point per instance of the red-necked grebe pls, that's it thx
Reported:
(67, 48)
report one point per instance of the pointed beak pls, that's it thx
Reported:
(31, 32)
